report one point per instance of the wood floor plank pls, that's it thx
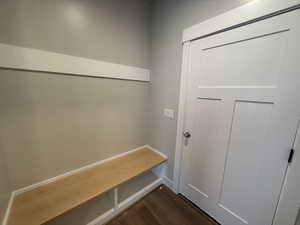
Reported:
(163, 207)
(141, 215)
(162, 203)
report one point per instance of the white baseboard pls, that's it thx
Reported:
(126, 203)
(160, 171)
(168, 182)
(104, 218)
(140, 194)
(7, 212)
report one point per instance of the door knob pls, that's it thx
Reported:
(187, 134)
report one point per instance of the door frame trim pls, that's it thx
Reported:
(248, 13)
(181, 116)
(231, 19)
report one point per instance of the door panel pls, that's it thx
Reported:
(233, 66)
(241, 113)
(208, 126)
(254, 44)
(250, 127)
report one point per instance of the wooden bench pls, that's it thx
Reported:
(46, 202)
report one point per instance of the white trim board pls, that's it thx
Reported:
(168, 182)
(121, 206)
(160, 171)
(240, 15)
(181, 116)
(138, 195)
(20, 58)
(8, 209)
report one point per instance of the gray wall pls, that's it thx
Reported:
(114, 31)
(169, 18)
(50, 123)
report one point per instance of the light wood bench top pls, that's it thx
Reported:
(46, 202)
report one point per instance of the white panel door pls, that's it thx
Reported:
(242, 112)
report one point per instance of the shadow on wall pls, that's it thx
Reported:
(298, 218)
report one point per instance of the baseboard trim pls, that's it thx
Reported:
(160, 171)
(104, 217)
(135, 197)
(7, 212)
(169, 183)
(126, 203)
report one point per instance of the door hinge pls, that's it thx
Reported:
(291, 156)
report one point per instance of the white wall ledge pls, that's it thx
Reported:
(20, 58)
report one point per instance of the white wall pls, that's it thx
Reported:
(169, 18)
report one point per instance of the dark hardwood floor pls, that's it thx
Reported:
(162, 207)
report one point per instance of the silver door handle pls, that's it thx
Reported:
(187, 134)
